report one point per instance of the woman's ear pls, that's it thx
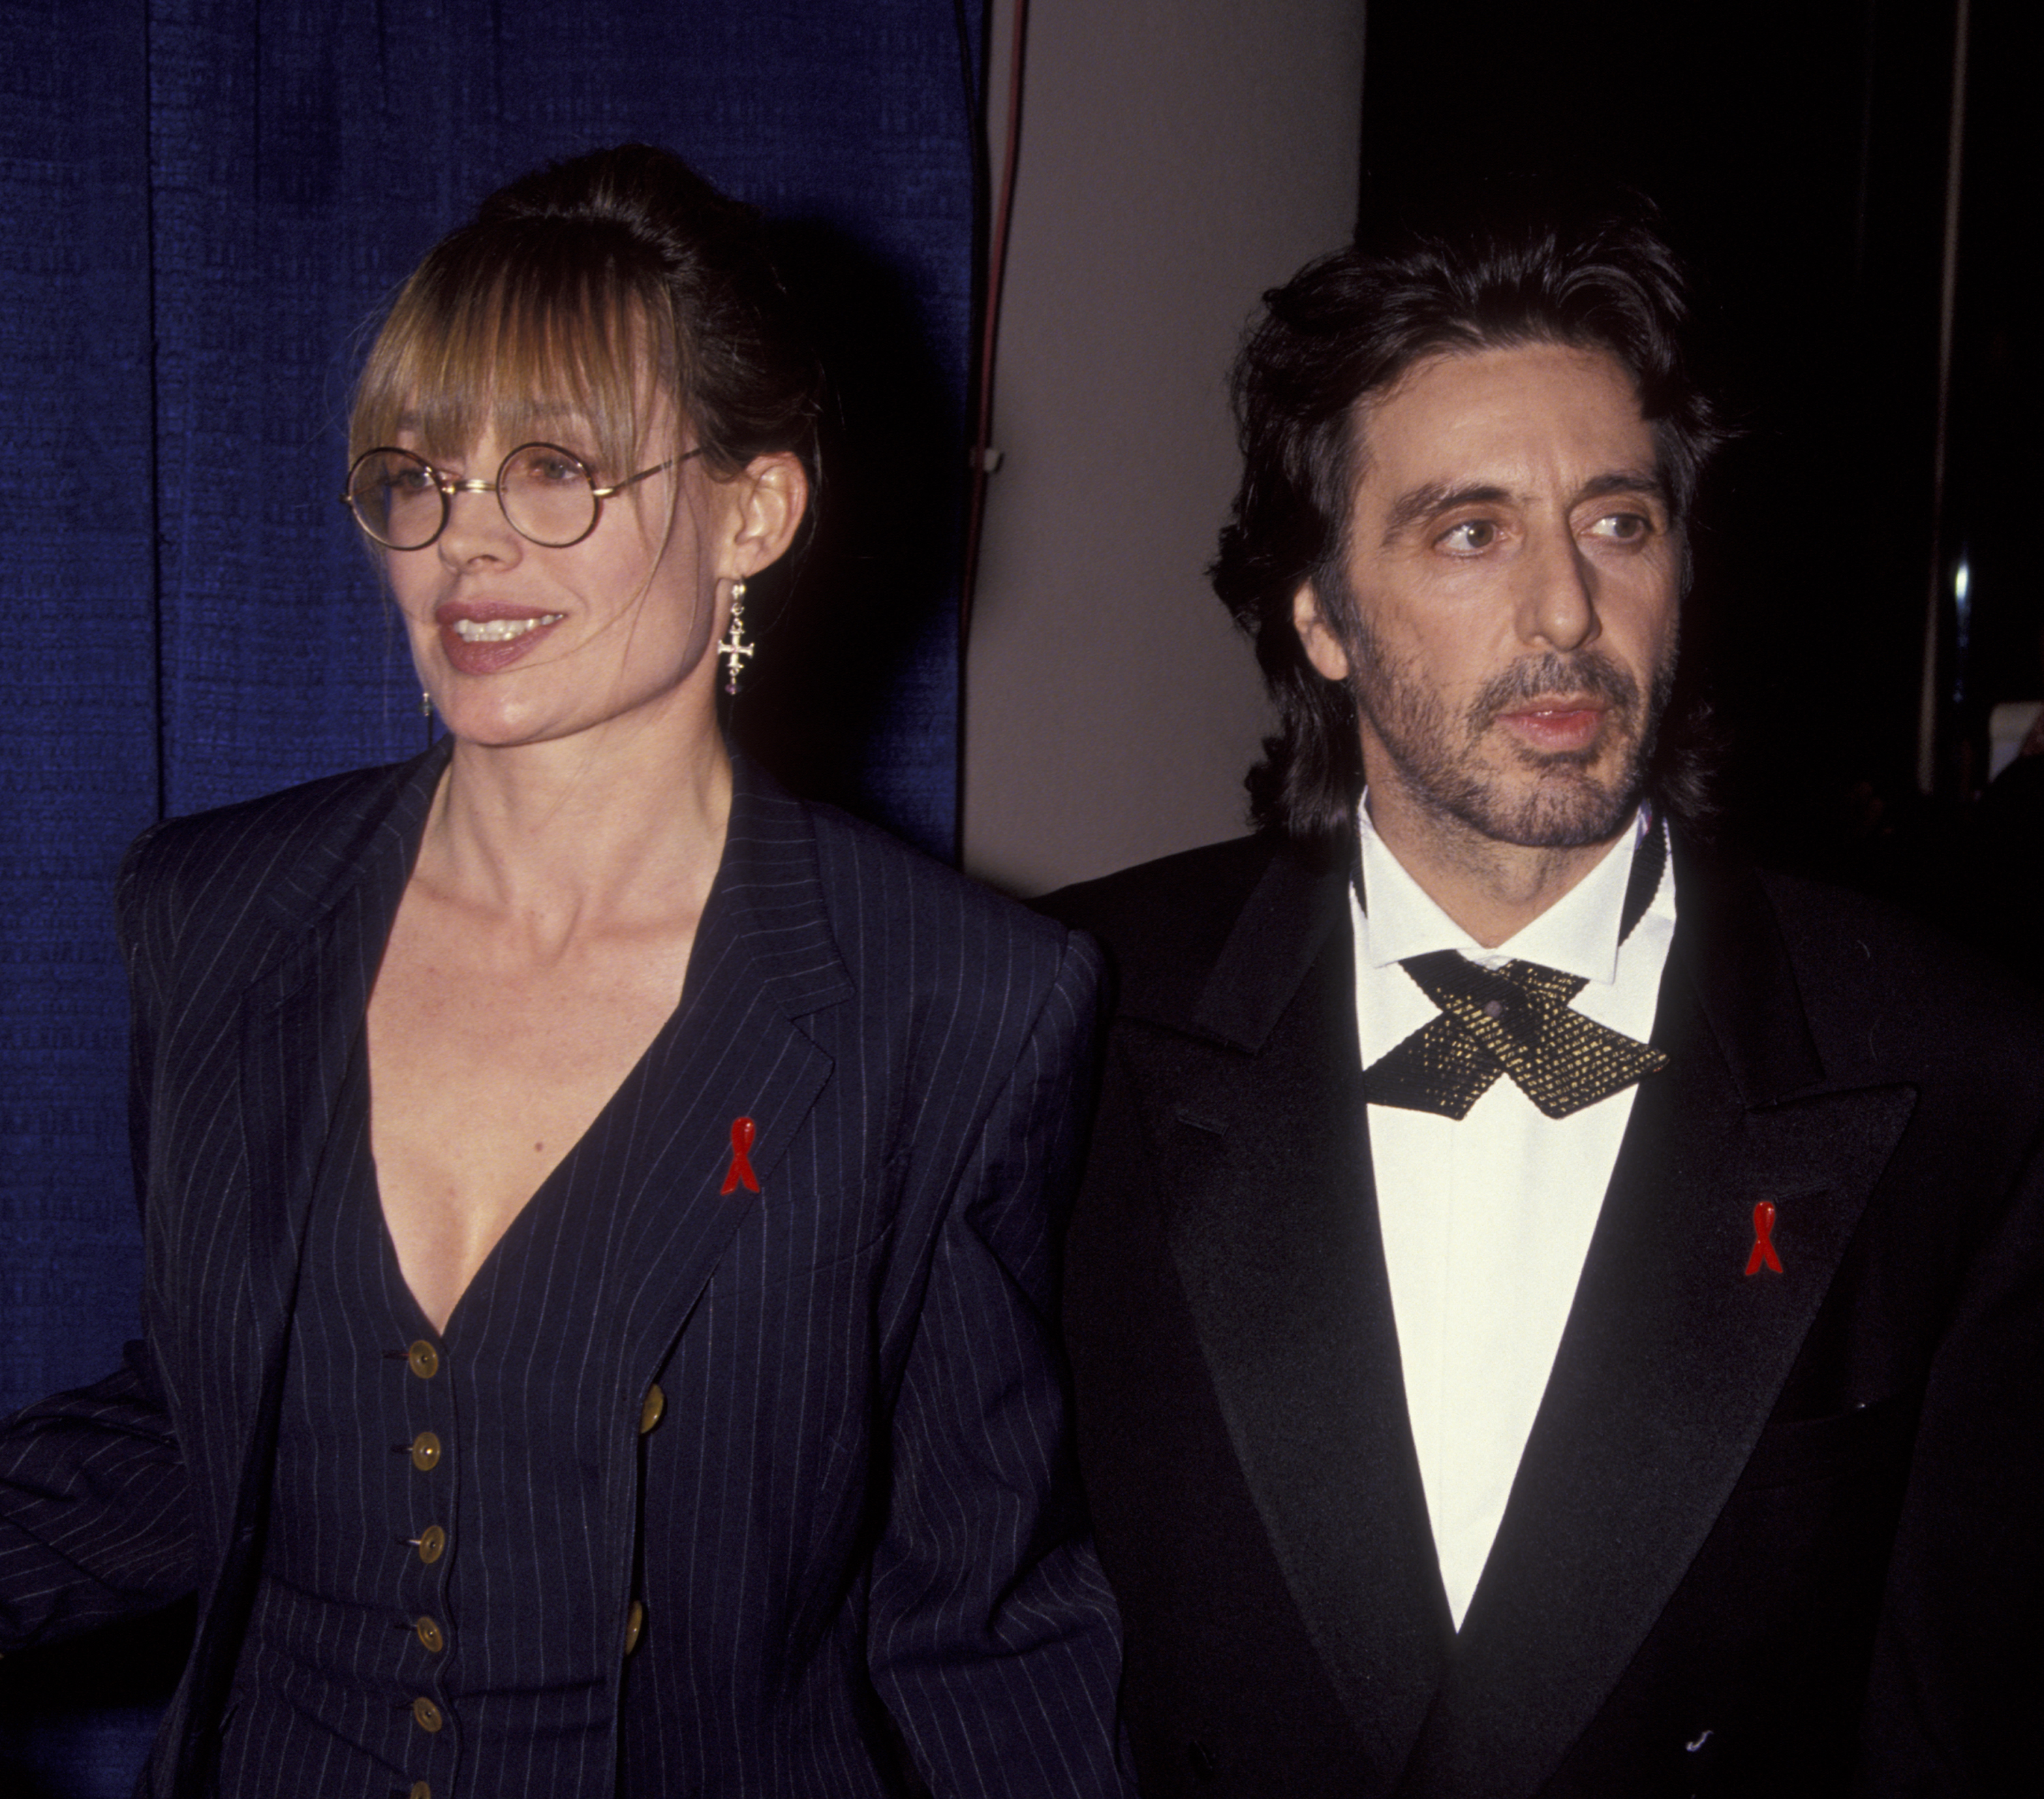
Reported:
(772, 495)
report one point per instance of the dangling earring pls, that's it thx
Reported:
(426, 702)
(735, 650)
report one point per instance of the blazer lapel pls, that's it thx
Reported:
(1273, 1228)
(764, 960)
(300, 1018)
(1673, 1357)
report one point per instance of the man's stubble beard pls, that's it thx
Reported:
(1439, 758)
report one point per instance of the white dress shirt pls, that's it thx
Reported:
(1486, 1219)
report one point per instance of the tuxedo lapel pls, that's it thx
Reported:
(1273, 1228)
(1673, 1356)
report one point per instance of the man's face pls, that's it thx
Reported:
(1515, 578)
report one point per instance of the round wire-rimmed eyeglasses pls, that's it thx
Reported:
(547, 495)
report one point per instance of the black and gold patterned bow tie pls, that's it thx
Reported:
(1515, 1021)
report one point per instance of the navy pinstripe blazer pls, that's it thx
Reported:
(860, 1490)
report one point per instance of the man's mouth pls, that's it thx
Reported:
(1558, 724)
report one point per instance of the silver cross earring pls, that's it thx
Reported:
(734, 649)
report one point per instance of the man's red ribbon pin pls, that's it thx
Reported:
(741, 1162)
(1763, 1240)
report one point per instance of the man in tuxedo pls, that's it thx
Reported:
(1553, 1312)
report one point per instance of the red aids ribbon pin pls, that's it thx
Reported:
(741, 1162)
(1763, 1240)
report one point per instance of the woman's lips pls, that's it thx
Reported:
(480, 643)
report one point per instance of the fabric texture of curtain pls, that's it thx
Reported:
(201, 203)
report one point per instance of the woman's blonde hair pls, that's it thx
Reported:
(573, 285)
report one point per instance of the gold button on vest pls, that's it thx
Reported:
(428, 1633)
(425, 1714)
(423, 1361)
(432, 1543)
(649, 1413)
(426, 1451)
(635, 1625)
(420, 1790)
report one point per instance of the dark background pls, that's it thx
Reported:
(1798, 153)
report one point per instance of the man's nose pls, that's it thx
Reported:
(1558, 604)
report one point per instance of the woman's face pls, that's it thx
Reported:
(520, 644)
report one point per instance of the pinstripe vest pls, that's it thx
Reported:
(430, 1609)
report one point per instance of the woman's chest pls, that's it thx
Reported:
(485, 1069)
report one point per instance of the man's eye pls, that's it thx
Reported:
(1469, 537)
(1622, 527)
(407, 478)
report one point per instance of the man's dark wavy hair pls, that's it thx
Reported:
(1346, 327)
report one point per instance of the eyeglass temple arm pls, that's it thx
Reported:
(605, 493)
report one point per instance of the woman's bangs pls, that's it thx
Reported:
(540, 349)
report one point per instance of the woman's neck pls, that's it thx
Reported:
(620, 825)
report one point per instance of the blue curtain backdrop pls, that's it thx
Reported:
(201, 203)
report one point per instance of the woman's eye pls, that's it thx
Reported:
(1469, 537)
(409, 479)
(552, 471)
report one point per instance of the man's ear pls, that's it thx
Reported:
(1317, 633)
(772, 494)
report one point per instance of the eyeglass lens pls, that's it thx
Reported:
(546, 496)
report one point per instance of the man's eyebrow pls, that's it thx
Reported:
(1435, 497)
(1649, 481)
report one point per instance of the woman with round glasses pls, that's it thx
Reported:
(600, 1209)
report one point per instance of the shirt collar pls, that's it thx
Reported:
(1577, 934)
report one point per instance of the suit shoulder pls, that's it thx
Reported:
(267, 859)
(309, 812)
(1876, 980)
(871, 878)
(1172, 914)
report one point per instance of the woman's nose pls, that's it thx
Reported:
(477, 531)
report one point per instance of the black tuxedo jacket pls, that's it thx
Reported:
(1771, 1534)
(858, 1486)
